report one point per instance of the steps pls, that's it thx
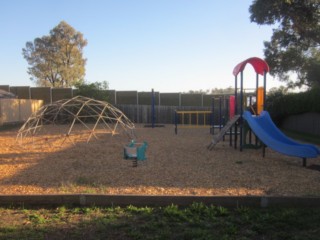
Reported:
(217, 138)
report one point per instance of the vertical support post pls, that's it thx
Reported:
(236, 95)
(202, 100)
(230, 137)
(138, 116)
(212, 115)
(220, 113)
(227, 109)
(152, 108)
(249, 131)
(176, 122)
(236, 111)
(50, 95)
(264, 89)
(304, 162)
(241, 109)
(197, 117)
(257, 86)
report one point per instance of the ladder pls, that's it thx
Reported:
(217, 138)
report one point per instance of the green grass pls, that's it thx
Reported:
(197, 221)
(10, 126)
(304, 137)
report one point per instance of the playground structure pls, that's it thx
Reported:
(75, 116)
(193, 119)
(135, 151)
(260, 123)
(212, 119)
(153, 112)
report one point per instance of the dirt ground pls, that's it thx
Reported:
(176, 165)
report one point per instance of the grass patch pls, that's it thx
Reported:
(197, 221)
(10, 126)
(304, 137)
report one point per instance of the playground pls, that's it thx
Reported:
(102, 158)
(175, 165)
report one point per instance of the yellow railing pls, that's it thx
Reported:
(192, 119)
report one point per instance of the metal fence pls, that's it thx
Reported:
(49, 95)
(165, 114)
(306, 123)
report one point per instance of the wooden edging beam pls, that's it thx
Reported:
(87, 200)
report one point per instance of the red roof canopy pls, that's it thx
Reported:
(258, 64)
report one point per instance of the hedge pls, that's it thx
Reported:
(282, 105)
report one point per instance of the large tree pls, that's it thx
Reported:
(295, 44)
(56, 60)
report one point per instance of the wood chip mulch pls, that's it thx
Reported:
(176, 165)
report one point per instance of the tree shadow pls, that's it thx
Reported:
(176, 164)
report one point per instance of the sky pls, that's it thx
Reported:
(165, 45)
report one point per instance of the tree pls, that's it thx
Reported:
(96, 90)
(56, 60)
(295, 45)
(214, 91)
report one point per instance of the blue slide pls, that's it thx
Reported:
(271, 136)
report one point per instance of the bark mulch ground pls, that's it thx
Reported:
(176, 165)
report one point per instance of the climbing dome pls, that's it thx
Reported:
(72, 118)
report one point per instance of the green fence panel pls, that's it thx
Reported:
(207, 100)
(145, 98)
(22, 92)
(61, 93)
(169, 99)
(127, 97)
(5, 88)
(191, 99)
(41, 93)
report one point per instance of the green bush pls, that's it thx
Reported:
(281, 104)
(96, 90)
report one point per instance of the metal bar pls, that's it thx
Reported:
(304, 162)
(241, 109)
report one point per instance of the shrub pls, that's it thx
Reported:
(281, 104)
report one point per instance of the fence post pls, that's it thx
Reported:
(50, 92)
(202, 100)
(138, 120)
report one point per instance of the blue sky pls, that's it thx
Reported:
(168, 45)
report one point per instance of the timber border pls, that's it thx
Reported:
(90, 200)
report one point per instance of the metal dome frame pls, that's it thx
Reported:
(78, 111)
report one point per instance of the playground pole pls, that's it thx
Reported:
(236, 110)
(176, 122)
(264, 89)
(241, 109)
(212, 115)
(257, 86)
(152, 108)
(220, 113)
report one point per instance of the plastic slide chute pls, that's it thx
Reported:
(271, 136)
